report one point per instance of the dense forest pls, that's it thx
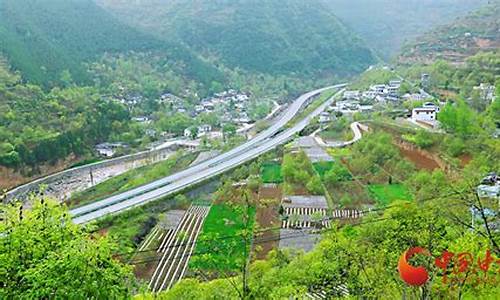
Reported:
(69, 70)
(299, 37)
(38, 126)
(50, 40)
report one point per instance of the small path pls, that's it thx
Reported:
(356, 128)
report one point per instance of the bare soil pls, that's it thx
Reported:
(465, 159)
(267, 216)
(420, 160)
(103, 231)
(144, 269)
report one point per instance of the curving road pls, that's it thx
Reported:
(356, 128)
(263, 142)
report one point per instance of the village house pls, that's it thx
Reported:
(188, 132)
(370, 95)
(490, 186)
(352, 95)
(324, 117)
(414, 97)
(425, 114)
(395, 83)
(424, 77)
(141, 119)
(150, 132)
(431, 105)
(202, 130)
(109, 149)
(379, 89)
(346, 106)
(487, 91)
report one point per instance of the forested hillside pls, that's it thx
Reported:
(44, 38)
(386, 24)
(478, 31)
(269, 36)
(38, 127)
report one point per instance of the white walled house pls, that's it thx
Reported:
(431, 105)
(424, 114)
(324, 117)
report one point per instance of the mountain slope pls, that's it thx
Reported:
(268, 36)
(386, 24)
(42, 38)
(464, 37)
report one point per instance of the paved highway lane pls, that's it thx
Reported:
(198, 173)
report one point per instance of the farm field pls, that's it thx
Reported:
(335, 135)
(220, 245)
(322, 167)
(384, 194)
(271, 173)
(267, 217)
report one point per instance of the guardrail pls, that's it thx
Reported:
(87, 214)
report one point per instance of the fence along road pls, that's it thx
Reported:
(263, 142)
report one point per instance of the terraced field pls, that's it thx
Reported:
(176, 249)
(387, 193)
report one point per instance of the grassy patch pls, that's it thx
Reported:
(132, 178)
(336, 135)
(128, 229)
(387, 193)
(339, 152)
(220, 245)
(271, 173)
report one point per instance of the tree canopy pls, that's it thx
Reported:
(45, 256)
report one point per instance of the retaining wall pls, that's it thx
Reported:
(60, 185)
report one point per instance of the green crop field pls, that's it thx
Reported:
(385, 194)
(220, 244)
(322, 167)
(271, 173)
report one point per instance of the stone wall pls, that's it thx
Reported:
(60, 185)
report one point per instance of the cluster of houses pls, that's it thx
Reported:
(490, 186)
(354, 101)
(204, 130)
(380, 93)
(232, 105)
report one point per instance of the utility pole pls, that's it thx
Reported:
(91, 177)
(246, 240)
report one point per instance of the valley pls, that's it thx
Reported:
(244, 149)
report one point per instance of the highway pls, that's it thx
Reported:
(263, 142)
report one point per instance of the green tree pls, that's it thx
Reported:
(424, 139)
(336, 174)
(314, 186)
(228, 130)
(459, 119)
(193, 132)
(45, 255)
